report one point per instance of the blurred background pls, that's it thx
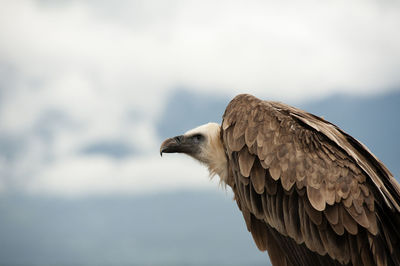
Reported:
(89, 89)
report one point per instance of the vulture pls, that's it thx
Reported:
(310, 193)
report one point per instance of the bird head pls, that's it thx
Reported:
(204, 144)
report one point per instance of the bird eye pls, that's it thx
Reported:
(197, 137)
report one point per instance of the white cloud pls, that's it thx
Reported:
(81, 176)
(285, 49)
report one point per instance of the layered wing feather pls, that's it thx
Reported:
(301, 181)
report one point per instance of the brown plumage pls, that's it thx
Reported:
(310, 194)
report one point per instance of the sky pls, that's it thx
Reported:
(76, 76)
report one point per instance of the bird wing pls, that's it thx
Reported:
(305, 184)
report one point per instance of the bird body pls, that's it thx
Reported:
(310, 194)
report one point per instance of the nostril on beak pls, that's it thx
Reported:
(178, 139)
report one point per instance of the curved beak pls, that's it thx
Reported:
(171, 145)
(179, 144)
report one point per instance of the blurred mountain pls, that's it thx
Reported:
(374, 120)
(181, 228)
(114, 148)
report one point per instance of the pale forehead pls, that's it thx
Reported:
(206, 129)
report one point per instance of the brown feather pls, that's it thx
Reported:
(229, 140)
(286, 219)
(373, 226)
(332, 214)
(325, 243)
(365, 252)
(316, 198)
(275, 172)
(361, 219)
(268, 159)
(279, 213)
(317, 242)
(246, 193)
(338, 228)
(354, 252)
(256, 204)
(258, 177)
(265, 207)
(347, 221)
(305, 226)
(271, 185)
(328, 189)
(238, 143)
(239, 129)
(244, 180)
(259, 233)
(246, 161)
(251, 135)
(347, 202)
(271, 210)
(293, 217)
(247, 218)
(313, 214)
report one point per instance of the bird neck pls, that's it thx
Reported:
(217, 162)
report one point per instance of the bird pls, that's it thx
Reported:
(310, 193)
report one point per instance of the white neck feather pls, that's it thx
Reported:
(212, 152)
